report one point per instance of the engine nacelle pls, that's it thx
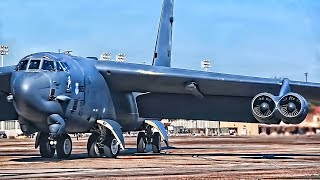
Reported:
(293, 108)
(264, 108)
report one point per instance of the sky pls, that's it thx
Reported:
(265, 38)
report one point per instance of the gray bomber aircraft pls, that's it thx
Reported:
(57, 94)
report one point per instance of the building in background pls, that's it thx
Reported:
(242, 129)
(310, 126)
(11, 128)
(199, 127)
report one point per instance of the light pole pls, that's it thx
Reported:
(206, 64)
(105, 56)
(121, 58)
(3, 51)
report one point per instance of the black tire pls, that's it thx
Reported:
(156, 142)
(111, 149)
(93, 150)
(64, 146)
(141, 142)
(46, 150)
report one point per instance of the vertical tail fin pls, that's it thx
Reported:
(162, 52)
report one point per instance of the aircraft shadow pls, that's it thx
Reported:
(132, 152)
(38, 158)
(242, 155)
(16, 154)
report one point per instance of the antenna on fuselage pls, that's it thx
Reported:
(67, 52)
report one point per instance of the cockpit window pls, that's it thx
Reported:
(22, 65)
(65, 66)
(48, 65)
(59, 66)
(34, 64)
(44, 63)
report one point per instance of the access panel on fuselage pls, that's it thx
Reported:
(75, 87)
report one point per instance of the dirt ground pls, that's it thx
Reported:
(259, 157)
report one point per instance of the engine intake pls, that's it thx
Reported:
(264, 108)
(293, 108)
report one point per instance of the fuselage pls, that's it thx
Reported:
(71, 87)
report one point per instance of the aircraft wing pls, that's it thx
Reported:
(7, 111)
(189, 94)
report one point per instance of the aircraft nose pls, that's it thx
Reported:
(28, 90)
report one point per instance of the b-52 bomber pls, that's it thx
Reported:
(57, 94)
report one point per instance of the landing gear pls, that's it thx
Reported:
(149, 137)
(64, 146)
(111, 147)
(141, 142)
(99, 146)
(46, 149)
(156, 142)
(93, 149)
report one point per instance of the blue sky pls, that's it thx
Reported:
(265, 38)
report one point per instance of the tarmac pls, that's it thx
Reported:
(256, 157)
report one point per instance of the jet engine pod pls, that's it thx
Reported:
(263, 108)
(293, 108)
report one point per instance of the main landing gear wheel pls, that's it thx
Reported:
(93, 149)
(156, 142)
(64, 146)
(145, 138)
(111, 147)
(46, 150)
(141, 142)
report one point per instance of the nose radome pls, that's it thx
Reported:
(29, 89)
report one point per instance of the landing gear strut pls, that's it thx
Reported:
(148, 137)
(48, 145)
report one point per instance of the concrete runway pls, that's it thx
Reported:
(256, 157)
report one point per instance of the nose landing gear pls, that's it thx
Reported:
(64, 146)
(47, 150)
(48, 145)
